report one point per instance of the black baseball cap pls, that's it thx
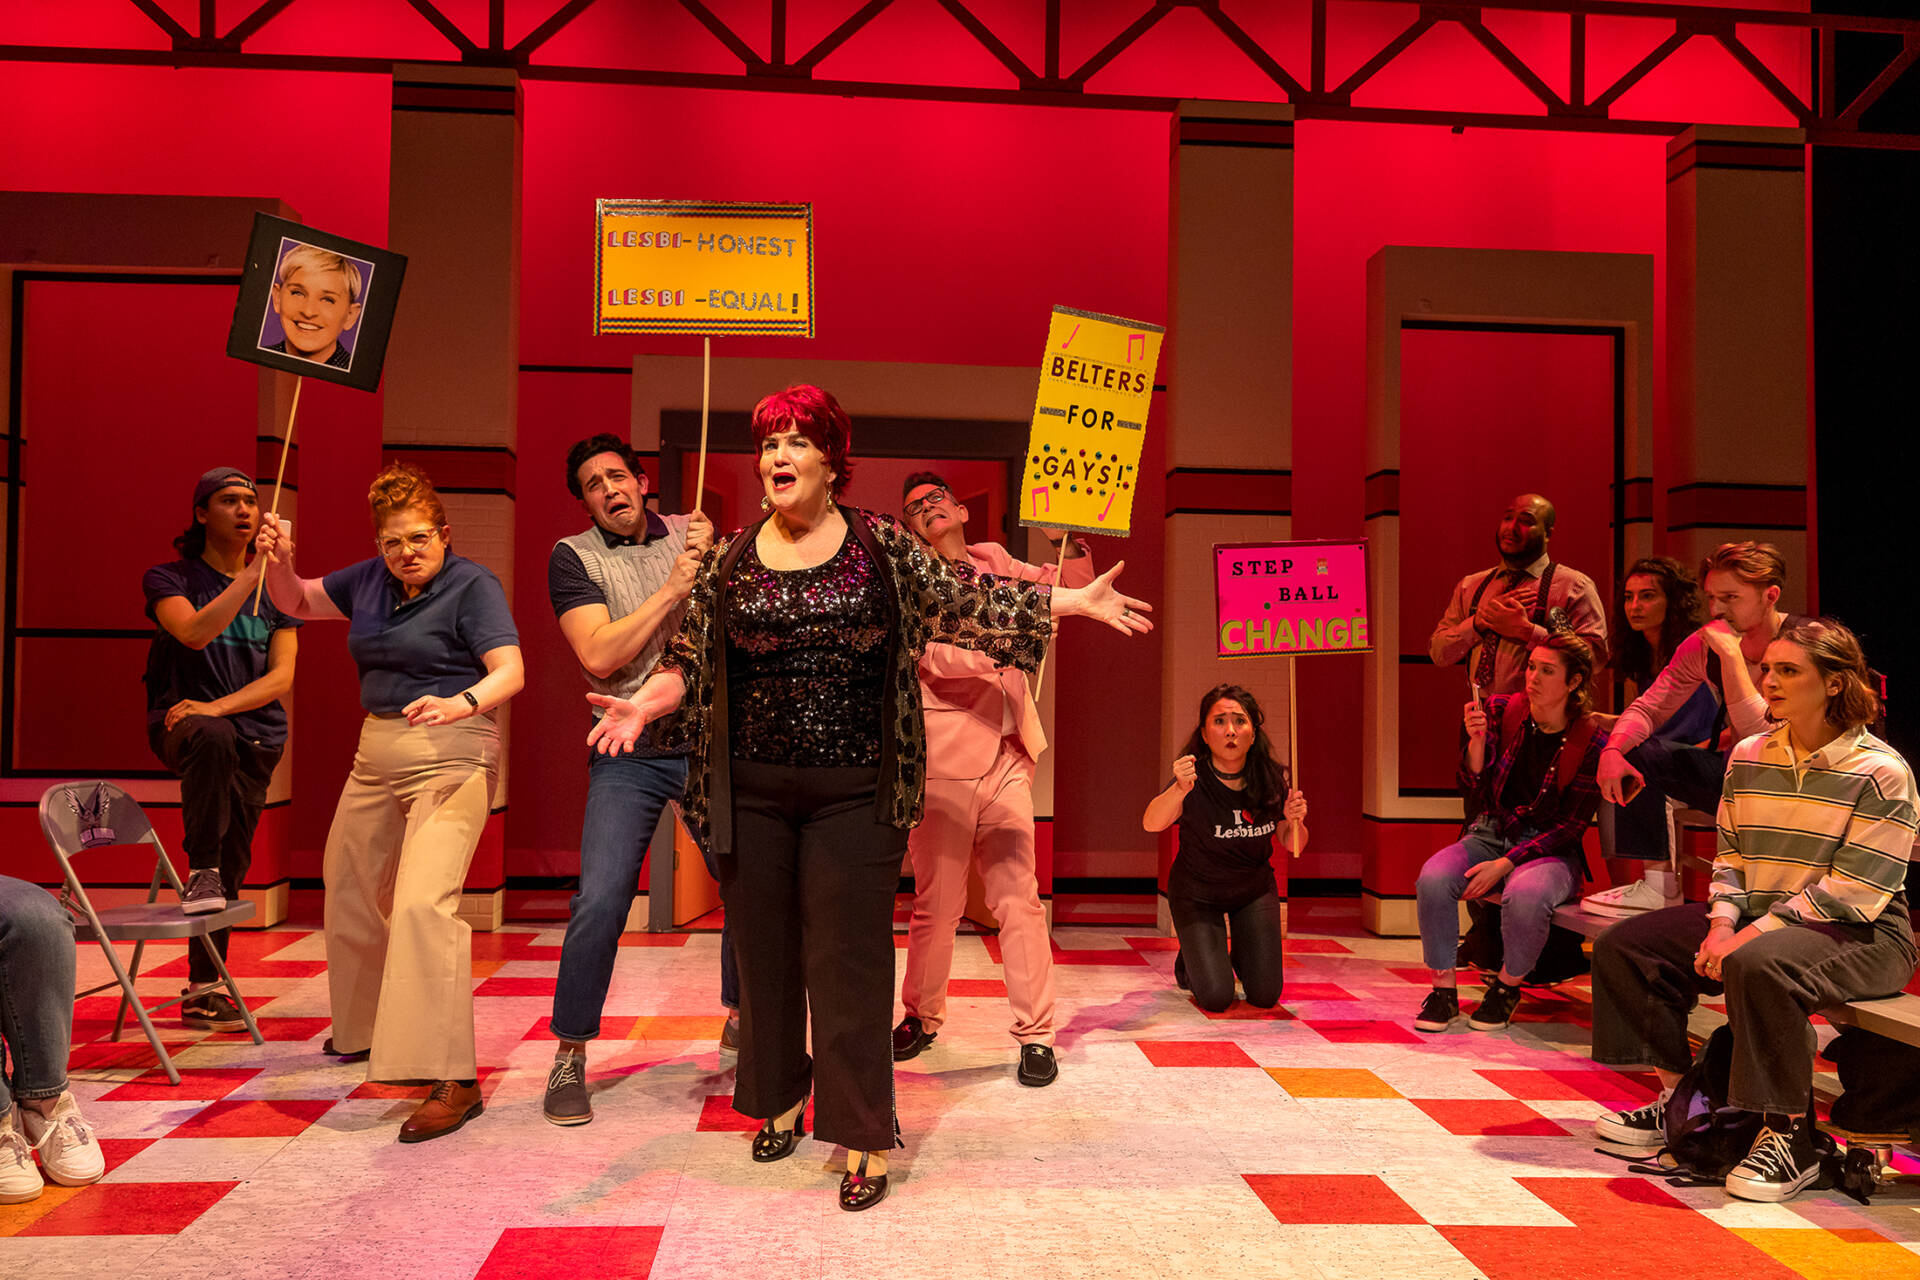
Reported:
(216, 480)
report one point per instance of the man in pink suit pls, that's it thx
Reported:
(983, 739)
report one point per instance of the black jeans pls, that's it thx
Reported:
(1691, 775)
(223, 788)
(1644, 986)
(1255, 952)
(810, 888)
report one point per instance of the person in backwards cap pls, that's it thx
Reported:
(216, 674)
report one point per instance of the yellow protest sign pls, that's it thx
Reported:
(701, 266)
(1089, 422)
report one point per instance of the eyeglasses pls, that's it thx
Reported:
(931, 498)
(416, 542)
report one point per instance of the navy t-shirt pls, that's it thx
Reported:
(232, 660)
(431, 644)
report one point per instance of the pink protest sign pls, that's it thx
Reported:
(1290, 597)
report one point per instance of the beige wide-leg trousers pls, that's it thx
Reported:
(399, 958)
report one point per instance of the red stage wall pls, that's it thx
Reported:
(946, 232)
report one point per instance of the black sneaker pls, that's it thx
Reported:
(910, 1037)
(730, 1038)
(204, 893)
(1496, 1007)
(1780, 1163)
(567, 1101)
(1180, 970)
(1439, 1010)
(1641, 1127)
(211, 1011)
(1037, 1067)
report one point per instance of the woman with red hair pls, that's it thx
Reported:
(794, 677)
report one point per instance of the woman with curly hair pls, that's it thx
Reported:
(795, 678)
(1229, 796)
(438, 655)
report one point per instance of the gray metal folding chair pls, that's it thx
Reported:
(79, 816)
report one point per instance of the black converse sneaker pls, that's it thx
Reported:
(1640, 1127)
(1781, 1162)
(204, 892)
(1439, 1010)
(1496, 1006)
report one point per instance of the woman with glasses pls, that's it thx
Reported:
(438, 655)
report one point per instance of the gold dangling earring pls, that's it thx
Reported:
(766, 503)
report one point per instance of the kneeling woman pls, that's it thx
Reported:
(1229, 796)
(1528, 774)
(1807, 910)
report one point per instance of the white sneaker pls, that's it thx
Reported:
(1625, 900)
(69, 1153)
(19, 1179)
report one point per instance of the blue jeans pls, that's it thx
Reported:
(625, 797)
(36, 992)
(1527, 898)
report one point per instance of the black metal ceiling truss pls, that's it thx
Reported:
(1829, 117)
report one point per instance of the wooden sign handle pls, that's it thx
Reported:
(286, 446)
(1293, 751)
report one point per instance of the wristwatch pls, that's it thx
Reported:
(471, 700)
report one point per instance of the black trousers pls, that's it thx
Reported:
(1211, 961)
(1691, 775)
(809, 891)
(223, 788)
(1644, 986)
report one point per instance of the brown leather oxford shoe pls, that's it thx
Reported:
(450, 1105)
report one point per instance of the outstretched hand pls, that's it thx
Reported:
(1100, 600)
(619, 728)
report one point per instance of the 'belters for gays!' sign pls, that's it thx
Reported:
(1089, 422)
(1290, 597)
(699, 266)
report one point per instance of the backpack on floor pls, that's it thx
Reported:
(1481, 948)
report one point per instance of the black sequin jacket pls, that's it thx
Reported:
(930, 601)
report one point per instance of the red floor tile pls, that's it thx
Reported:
(718, 1116)
(1153, 944)
(563, 1253)
(1315, 947)
(1488, 1118)
(1315, 991)
(1636, 1226)
(120, 1150)
(1101, 956)
(132, 1209)
(294, 1029)
(1316, 1199)
(1194, 1053)
(1342, 1031)
(654, 939)
(1241, 1011)
(610, 1028)
(249, 955)
(516, 987)
(117, 1055)
(977, 987)
(253, 1118)
(501, 945)
(1573, 1082)
(195, 1083)
(1424, 977)
(376, 1089)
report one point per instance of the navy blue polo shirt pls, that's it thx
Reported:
(431, 644)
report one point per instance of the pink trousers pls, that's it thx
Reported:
(989, 820)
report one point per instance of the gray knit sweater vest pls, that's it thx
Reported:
(627, 576)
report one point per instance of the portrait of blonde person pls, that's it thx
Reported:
(317, 298)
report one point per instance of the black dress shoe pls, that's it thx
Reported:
(1037, 1067)
(772, 1144)
(910, 1037)
(331, 1052)
(858, 1191)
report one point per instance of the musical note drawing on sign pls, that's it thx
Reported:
(1070, 338)
(1140, 338)
(1039, 495)
(1109, 506)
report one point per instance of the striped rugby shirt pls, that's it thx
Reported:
(1820, 837)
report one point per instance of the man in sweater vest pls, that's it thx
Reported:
(983, 742)
(1742, 582)
(618, 589)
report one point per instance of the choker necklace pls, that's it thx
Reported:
(1229, 777)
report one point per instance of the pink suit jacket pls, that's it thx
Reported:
(966, 696)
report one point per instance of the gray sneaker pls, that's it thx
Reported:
(204, 893)
(567, 1101)
(730, 1037)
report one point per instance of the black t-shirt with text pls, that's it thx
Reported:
(1225, 853)
(1538, 751)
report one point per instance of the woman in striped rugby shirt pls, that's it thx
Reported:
(1808, 909)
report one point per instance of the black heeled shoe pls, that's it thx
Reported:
(858, 1191)
(772, 1144)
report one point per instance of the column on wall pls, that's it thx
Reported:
(1737, 447)
(453, 360)
(1228, 370)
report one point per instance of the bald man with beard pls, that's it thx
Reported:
(1497, 615)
